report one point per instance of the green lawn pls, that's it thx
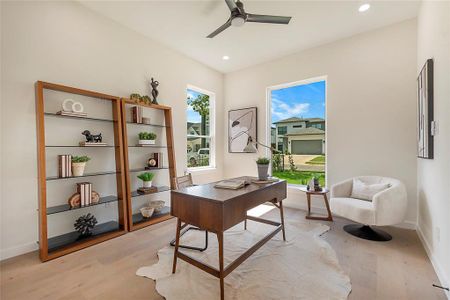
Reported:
(319, 160)
(300, 177)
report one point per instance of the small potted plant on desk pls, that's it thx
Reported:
(263, 168)
(78, 164)
(147, 138)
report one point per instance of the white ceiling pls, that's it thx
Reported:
(183, 26)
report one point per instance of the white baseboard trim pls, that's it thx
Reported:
(436, 265)
(18, 250)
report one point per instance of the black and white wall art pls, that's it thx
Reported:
(242, 125)
(425, 111)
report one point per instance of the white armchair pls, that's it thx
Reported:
(388, 207)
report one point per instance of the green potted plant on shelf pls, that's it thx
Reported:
(147, 138)
(147, 179)
(78, 164)
(263, 167)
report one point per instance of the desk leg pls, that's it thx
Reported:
(177, 244)
(221, 274)
(308, 198)
(330, 216)
(282, 220)
(245, 221)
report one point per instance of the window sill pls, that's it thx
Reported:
(201, 169)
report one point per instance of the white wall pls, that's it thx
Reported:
(371, 101)
(66, 43)
(434, 175)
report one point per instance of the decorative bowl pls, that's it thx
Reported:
(147, 212)
(157, 205)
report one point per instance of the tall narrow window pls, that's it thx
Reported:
(298, 116)
(200, 128)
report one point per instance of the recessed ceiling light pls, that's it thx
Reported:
(364, 7)
(225, 57)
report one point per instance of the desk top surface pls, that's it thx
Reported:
(209, 191)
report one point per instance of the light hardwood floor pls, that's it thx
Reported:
(398, 269)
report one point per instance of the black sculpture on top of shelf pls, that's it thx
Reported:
(91, 138)
(155, 92)
(85, 224)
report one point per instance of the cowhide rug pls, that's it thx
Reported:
(304, 267)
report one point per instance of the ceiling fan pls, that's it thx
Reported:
(239, 17)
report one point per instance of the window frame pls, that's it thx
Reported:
(212, 130)
(268, 123)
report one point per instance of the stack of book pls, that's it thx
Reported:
(72, 114)
(65, 165)
(85, 191)
(232, 184)
(136, 114)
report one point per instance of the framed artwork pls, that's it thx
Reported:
(425, 111)
(242, 125)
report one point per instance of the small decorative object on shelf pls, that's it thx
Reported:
(147, 179)
(314, 185)
(136, 114)
(157, 205)
(146, 138)
(75, 199)
(85, 224)
(155, 160)
(154, 84)
(145, 120)
(147, 212)
(92, 138)
(85, 191)
(65, 165)
(141, 99)
(263, 167)
(78, 164)
(72, 108)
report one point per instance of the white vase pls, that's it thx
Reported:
(78, 168)
(147, 184)
(146, 142)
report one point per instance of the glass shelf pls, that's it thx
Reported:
(138, 218)
(160, 189)
(149, 169)
(78, 118)
(142, 124)
(71, 238)
(66, 207)
(74, 146)
(147, 146)
(85, 175)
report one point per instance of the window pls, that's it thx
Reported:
(282, 129)
(302, 154)
(200, 128)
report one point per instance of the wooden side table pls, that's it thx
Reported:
(324, 193)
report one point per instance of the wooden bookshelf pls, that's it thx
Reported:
(136, 221)
(58, 245)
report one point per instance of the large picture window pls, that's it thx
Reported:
(297, 113)
(200, 128)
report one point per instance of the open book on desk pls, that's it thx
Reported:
(232, 184)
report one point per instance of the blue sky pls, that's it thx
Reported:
(307, 101)
(192, 116)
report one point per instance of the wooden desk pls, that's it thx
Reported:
(217, 210)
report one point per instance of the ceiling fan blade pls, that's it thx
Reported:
(267, 19)
(220, 29)
(231, 4)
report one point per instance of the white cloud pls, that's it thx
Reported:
(282, 110)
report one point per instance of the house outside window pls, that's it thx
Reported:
(200, 129)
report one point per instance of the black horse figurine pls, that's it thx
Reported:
(91, 138)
